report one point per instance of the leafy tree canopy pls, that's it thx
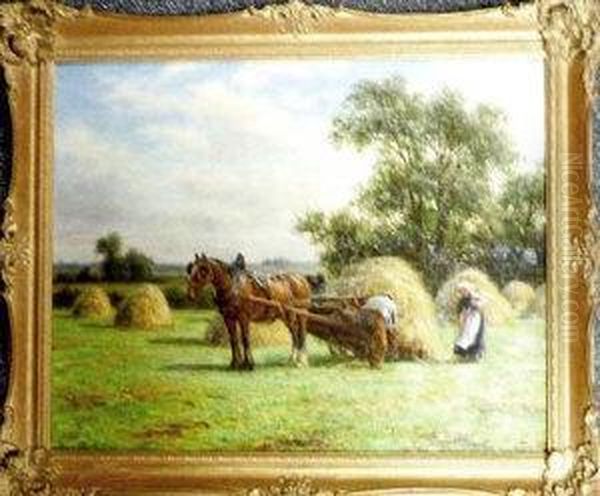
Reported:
(110, 246)
(139, 266)
(432, 197)
(133, 266)
(522, 209)
(522, 234)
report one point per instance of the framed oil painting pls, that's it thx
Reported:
(299, 249)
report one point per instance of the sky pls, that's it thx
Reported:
(223, 156)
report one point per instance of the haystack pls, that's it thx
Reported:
(92, 302)
(497, 309)
(540, 301)
(261, 334)
(417, 329)
(521, 296)
(146, 308)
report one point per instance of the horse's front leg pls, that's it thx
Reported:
(301, 341)
(234, 342)
(248, 359)
(290, 322)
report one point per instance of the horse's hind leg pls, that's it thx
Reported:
(236, 356)
(248, 359)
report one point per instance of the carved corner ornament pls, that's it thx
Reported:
(27, 30)
(570, 471)
(568, 25)
(570, 28)
(29, 472)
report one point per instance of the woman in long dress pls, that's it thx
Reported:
(470, 343)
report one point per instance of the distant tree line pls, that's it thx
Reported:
(445, 191)
(115, 266)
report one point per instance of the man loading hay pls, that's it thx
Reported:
(385, 305)
(470, 344)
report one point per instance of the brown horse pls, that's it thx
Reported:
(235, 289)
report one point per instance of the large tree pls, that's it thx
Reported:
(429, 197)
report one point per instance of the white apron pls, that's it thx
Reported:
(470, 330)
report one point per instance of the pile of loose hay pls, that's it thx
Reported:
(261, 334)
(146, 308)
(521, 296)
(92, 302)
(540, 301)
(417, 329)
(496, 307)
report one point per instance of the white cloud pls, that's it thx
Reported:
(222, 157)
(193, 205)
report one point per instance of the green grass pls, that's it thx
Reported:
(167, 390)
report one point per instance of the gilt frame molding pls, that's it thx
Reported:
(35, 34)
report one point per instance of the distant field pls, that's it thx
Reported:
(168, 390)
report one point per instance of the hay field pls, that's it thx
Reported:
(140, 390)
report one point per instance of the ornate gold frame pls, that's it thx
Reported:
(37, 33)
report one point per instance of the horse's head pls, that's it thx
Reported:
(200, 273)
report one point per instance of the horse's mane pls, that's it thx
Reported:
(225, 267)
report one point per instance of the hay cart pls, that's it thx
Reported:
(345, 325)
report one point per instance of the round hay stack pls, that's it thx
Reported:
(496, 307)
(540, 301)
(261, 334)
(92, 302)
(521, 296)
(146, 308)
(417, 329)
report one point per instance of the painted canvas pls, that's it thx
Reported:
(300, 255)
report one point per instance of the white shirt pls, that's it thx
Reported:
(386, 307)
